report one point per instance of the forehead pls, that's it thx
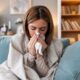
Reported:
(38, 23)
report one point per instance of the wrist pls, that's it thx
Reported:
(31, 57)
(32, 53)
(38, 55)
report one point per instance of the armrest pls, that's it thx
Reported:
(4, 47)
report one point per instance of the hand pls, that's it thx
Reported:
(42, 42)
(38, 55)
(31, 45)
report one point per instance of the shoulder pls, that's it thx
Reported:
(17, 41)
(17, 38)
(58, 46)
(58, 43)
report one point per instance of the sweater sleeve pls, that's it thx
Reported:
(15, 58)
(59, 47)
(47, 73)
(29, 59)
(41, 66)
(51, 73)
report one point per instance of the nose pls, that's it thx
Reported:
(37, 31)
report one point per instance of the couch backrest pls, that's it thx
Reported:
(4, 47)
(69, 66)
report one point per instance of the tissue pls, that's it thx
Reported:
(38, 45)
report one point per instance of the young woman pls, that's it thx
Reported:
(23, 62)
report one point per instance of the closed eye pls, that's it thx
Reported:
(43, 28)
(33, 28)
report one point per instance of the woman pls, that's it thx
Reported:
(23, 62)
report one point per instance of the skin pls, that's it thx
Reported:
(37, 26)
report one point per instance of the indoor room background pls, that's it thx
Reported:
(6, 16)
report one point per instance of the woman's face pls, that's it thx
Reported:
(40, 26)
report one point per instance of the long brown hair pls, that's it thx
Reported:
(40, 12)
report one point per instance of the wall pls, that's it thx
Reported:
(5, 15)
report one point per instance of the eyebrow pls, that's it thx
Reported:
(41, 27)
(32, 26)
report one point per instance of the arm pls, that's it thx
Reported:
(50, 73)
(58, 47)
(15, 58)
(41, 66)
(43, 69)
(52, 69)
(29, 59)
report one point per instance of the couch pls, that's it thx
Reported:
(69, 66)
(4, 47)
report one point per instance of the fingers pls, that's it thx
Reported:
(43, 43)
(31, 45)
(34, 40)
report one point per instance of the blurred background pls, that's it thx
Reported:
(11, 19)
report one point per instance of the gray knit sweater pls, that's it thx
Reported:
(20, 65)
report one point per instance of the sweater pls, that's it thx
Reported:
(20, 65)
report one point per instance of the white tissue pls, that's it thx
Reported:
(38, 46)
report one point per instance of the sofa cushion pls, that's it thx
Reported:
(69, 67)
(4, 47)
(66, 42)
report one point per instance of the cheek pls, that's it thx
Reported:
(31, 32)
(43, 32)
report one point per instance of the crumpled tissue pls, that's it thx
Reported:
(38, 45)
